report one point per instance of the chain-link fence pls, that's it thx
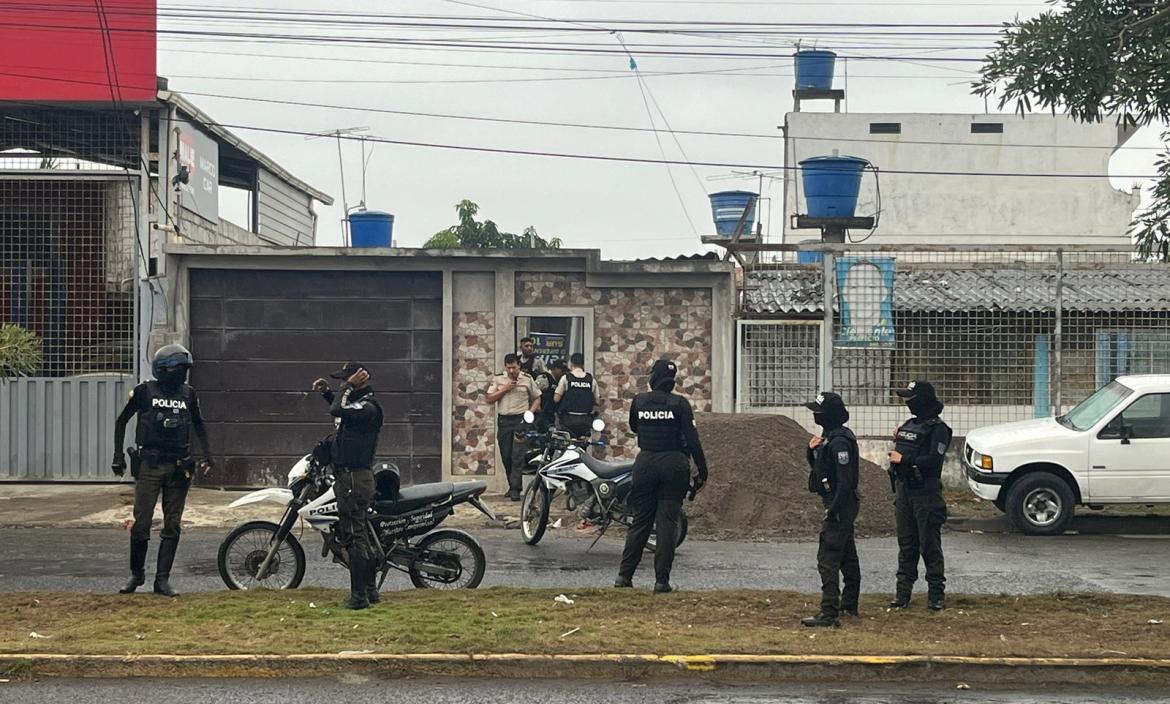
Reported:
(1004, 334)
(68, 183)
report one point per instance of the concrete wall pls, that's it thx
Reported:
(933, 209)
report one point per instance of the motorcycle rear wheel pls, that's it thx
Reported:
(652, 543)
(534, 512)
(244, 549)
(471, 561)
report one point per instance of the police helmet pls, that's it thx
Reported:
(170, 359)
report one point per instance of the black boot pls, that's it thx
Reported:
(623, 582)
(137, 566)
(936, 602)
(358, 599)
(821, 620)
(663, 588)
(901, 601)
(372, 595)
(167, 547)
(850, 611)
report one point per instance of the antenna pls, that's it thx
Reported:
(338, 133)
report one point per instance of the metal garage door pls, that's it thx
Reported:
(261, 337)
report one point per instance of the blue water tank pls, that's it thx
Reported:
(831, 184)
(371, 228)
(727, 209)
(814, 69)
(809, 257)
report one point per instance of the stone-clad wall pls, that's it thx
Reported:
(473, 428)
(633, 327)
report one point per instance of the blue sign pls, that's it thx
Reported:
(865, 289)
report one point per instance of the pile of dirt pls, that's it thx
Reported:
(758, 485)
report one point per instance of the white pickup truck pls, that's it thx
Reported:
(1113, 448)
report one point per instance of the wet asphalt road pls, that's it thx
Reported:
(494, 692)
(39, 559)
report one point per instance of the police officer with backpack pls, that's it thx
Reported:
(920, 446)
(665, 425)
(576, 398)
(168, 412)
(833, 462)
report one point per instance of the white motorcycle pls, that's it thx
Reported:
(597, 490)
(265, 555)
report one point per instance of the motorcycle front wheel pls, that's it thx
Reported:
(243, 551)
(534, 511)
(652, 543)
(448, 559)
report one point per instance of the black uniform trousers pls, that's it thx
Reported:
(919, 514)
(354, 489)
(578, 425)
(506, 427)
(836, 559)
(661, 481)
(154, 478)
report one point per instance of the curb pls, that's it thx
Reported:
(729, 667)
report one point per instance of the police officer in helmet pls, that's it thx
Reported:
(358, 419)
(665, 425)
(916, 462)
(833, 463)
(168, 412)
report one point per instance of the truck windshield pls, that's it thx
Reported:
(1090, 411)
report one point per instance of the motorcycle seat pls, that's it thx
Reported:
(606, 470)
(415, 497)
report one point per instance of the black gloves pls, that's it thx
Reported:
(119, 463)
(696, 484)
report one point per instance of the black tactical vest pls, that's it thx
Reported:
(356, 443)
(826, 465)
(911, 440)
(165, 419)
(578, 396)
(659, 421)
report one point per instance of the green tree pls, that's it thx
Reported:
(20, 352)
(1096, 60)
(472, 234)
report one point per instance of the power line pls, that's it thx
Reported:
(608, 127)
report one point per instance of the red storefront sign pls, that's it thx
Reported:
(78, 50)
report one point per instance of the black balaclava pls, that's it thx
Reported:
(829, 411)
(662, 375)
(921, 399)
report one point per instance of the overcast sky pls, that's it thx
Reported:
(627, 210)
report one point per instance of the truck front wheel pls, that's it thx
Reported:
(1040, 503)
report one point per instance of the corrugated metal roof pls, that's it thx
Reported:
(1016, 290)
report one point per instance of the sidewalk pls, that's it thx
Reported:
(111, 506)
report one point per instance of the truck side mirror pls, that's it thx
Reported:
(1126, 434)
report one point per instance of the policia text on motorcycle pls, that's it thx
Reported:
(358, 420)
(168, 411)
(833, 474)
(576, 398)
(513, 393)
(665, 425)
(920, 445)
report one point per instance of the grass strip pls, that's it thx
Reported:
(507, 620)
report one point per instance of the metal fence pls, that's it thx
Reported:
(1004, 334)
(68, 184)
